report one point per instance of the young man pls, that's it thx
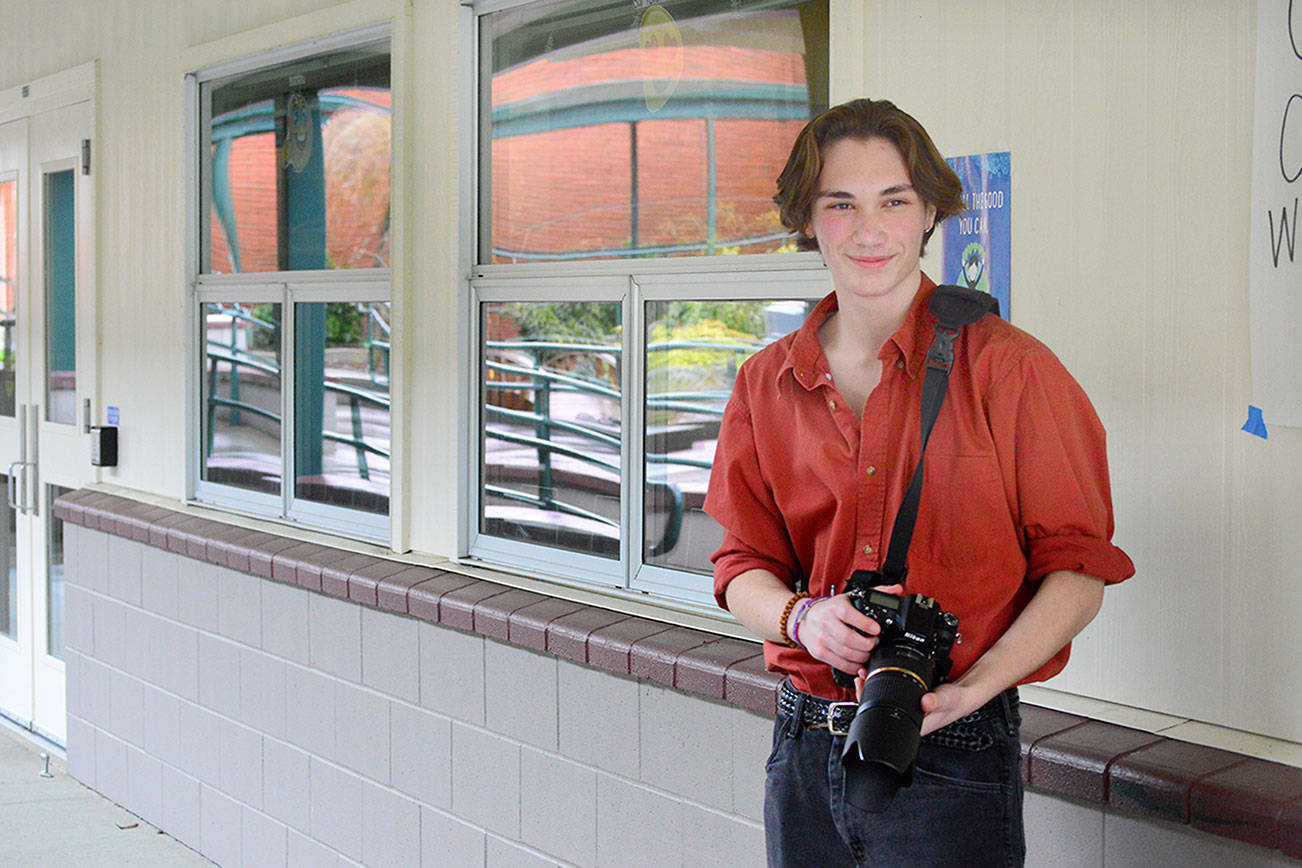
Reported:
(816, 450)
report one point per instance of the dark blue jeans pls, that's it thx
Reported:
(964, 807)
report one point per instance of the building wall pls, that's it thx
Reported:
(263, 723)
(1129, 126)
(1126, 122)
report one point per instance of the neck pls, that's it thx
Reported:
(870, 322)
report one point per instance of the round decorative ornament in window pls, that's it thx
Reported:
(298, 132)
(661, 57)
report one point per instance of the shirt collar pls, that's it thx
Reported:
(808, 365)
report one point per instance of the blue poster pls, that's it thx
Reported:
(978, 252)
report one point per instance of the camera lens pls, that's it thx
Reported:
(883, 739)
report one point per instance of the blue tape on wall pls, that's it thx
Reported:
(1255, 424)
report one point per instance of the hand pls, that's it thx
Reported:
(835, 632)
(941, 707)
(947, 703)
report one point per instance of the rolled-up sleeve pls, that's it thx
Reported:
(1050, 434)
(739, 498)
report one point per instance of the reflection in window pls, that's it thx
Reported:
(693, 351)
(241, 396)
(341, 412)
(61, 297)
(626, 129)
(54, 576)
(551, 431)
(8, 291)
(299, 165)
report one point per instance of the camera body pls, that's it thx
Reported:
(913, 627)
(911, 658)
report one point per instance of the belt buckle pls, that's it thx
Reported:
(831, 714)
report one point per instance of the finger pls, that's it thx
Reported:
(896, 589)
(851, 616)
(841, 621)
(855, 650)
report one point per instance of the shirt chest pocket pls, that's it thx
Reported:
(964, 519)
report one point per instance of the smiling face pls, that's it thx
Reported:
(868, 220)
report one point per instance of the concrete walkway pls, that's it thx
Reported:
(56, 821)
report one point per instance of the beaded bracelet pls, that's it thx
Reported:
(800, 612)
(786, 613)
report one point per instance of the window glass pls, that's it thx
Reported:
(693, 351)
(551, 424)
(298, 170)
(619, 129)
(341, 412)
(54, 575)
(8, 291)
(241, 396)
(60, 239)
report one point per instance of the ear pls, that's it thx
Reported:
(931, 217)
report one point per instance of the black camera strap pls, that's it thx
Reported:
(953, 307)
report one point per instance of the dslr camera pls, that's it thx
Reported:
(911, 658)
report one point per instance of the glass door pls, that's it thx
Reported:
(16, 670)
(46, 373)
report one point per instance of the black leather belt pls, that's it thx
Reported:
(815, 712)
(818, 713)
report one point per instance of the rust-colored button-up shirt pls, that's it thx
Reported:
(1015, 486)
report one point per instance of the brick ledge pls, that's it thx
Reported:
(1130, 771)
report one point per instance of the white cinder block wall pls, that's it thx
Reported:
(262, 724)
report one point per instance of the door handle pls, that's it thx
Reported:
(23, 505)
(13, 485)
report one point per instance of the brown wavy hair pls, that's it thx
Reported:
(932, 178)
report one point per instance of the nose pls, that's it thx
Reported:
(867, 228)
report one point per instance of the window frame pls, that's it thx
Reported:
(287, 288)
(800, 275)
(748, 277)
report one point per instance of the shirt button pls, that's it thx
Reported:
(899, 363)
(867, 550)
(871, 470)
(832, 404)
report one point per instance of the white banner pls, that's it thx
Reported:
(1275, 254)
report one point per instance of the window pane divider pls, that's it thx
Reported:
(342, 277)
(288, 395)
(750, 263)
(632, 443)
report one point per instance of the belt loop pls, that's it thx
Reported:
(797, 715)
(1006, 700)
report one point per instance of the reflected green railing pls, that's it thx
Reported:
(239, 360)
(543, 383)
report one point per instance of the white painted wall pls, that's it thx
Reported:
(1129, 126)
(1128, 123)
